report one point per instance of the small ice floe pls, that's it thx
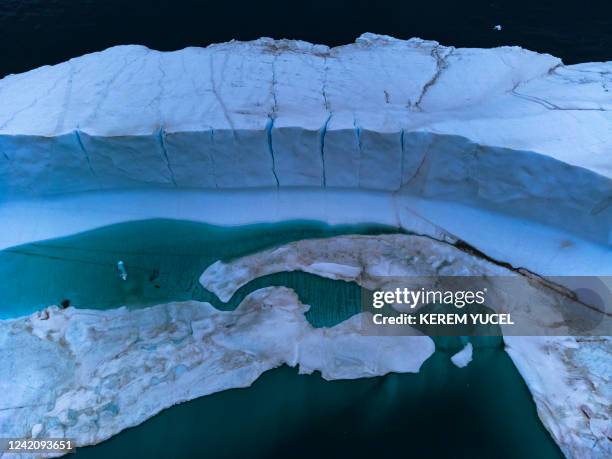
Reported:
(497, 27)
(121, 269)
(463, 357)
(37, 430)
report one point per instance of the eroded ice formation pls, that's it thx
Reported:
(91, 374)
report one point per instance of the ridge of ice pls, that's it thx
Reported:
(92, 373)
(126, 96)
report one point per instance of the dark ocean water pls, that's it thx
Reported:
(481, 411)
(39, 32)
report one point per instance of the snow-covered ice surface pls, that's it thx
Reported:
(104, 371)
(506, 149)
(378, 114)
(571, 382)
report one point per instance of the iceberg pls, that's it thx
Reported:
(495, 161)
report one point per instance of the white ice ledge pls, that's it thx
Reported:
(505, 130)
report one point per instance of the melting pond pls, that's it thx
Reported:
(163, 260)
(481, 411)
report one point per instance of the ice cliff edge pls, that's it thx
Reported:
(501, 128)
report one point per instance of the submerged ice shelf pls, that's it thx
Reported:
(505, 149)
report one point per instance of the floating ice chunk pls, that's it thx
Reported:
(121, 269)
(463, 357)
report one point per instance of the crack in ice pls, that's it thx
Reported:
(77, 134)
(441, 65)
(269, 127)
(162, 143)
(322, 148)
